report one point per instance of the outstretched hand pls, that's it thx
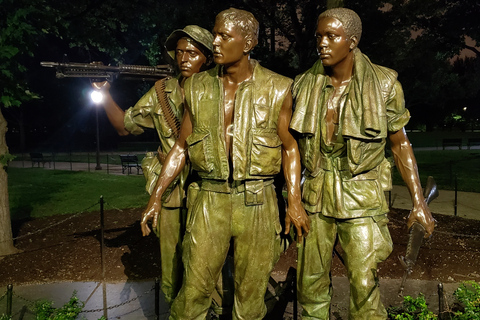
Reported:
(151, 212)
(422, 215)
(296, 214)
(102, 86)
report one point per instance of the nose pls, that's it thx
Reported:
(185, 57)
(321, 42)
(216, 40)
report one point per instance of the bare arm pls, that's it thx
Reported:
(407, 165)
(173, 166)
(292, 170)
(114, 113)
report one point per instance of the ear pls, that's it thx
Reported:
(353, 43)
(248, 46)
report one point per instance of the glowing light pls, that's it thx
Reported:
(465, 109)
(96, 96)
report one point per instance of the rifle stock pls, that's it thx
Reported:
(416, 235)
(97, 71)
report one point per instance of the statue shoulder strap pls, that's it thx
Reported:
(172, 121)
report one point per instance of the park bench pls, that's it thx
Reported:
(37, 157)
(473, 142)
(129, 162)
(452, 142)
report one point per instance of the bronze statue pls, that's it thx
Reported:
(345, 109)
(160, 109)
(235, 130)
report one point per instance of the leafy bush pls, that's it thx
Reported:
(44, 309)
(412, 309)
(468, 294)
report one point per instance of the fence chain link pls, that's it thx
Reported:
(53, 224)
(120, 304)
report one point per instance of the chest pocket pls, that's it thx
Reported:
(200, 150)
(266, 153)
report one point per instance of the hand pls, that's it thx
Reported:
(150, 212)
(421, 214)
(296, 214)
(102, 86)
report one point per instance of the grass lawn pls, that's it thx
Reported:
(35, 192)
(447, 165)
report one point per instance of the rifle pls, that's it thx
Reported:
(416, 235)
(97, 71)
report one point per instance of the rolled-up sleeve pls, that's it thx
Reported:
(139, 116)
(397, 115)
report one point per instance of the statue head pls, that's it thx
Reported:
(243, 21)
(351, 22)
(191, 48)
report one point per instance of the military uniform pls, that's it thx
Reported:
(235, 197)
(147, 113)
(345, 179)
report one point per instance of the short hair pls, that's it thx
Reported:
(352, 24)
(242, 19)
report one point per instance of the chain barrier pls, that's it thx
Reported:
(30, 304)
(120, 304)
(53, 224)
(443, 232)
(112, 206)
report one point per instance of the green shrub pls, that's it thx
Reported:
(44, 310)
(412, 309)
(468, 294)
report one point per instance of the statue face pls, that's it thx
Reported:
(333, 45)
(228, 43)
(189, 58)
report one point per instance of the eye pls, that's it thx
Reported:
(193, 54)
(179, 52)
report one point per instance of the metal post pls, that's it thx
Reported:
(70, 158)
(9, 299)
(53, 156)
(157, 299)
(98, 167)
(108, 164)
(456, 196)
(441, 302)
(102, 253)
(88, 161)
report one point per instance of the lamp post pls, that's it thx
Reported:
(97, 98)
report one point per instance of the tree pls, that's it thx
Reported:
(16, 35)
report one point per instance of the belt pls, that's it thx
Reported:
(237, 186)
(329, 163)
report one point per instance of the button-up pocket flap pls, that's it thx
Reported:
(271, 140)
(197, 136)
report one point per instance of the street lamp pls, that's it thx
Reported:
(97, 98)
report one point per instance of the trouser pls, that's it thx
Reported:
(365, 242)
(170, 230)
(213, 220)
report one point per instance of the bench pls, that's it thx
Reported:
(37, 157)
(452, 142)
(473, 142)
(129, 162)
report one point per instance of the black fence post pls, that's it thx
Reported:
(157, 298)
(102, 253)
(456, 196)
(9, 300)
(88, 161)
(108, 163)
(441, 302)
